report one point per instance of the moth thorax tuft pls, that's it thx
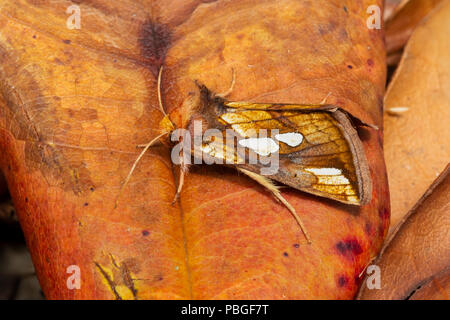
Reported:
(191, 105)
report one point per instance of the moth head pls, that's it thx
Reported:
(198, 109)
(197, 106)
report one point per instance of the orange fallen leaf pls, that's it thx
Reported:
(91, 95)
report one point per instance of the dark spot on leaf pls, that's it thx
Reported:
(296, 245)
(92, 189)
(145, 233)
(285, 254)
(57, 61)
(342, 35)
(34, 36)
(368, 229)
(342, 281)
(327, 28)
(370, 62)
(154, 40)
(381, 230)
(350, 66)
(349, 248)
(159, 277)
(86, 204)
(345, 9)
(26, 199)
(384, 213)
(66, 41)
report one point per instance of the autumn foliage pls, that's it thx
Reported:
(76, 103)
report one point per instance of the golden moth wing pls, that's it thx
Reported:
(321, 154)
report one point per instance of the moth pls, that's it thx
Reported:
(317, 145)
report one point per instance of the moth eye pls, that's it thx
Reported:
(292, 139)
(262, 146)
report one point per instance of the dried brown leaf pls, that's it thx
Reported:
(419, 249)
(416, 141)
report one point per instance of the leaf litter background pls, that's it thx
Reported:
(230, 248)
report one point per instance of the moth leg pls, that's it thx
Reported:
(180, 185)
(226, 93)
(276, 193)
(183, 171)
(146, 147)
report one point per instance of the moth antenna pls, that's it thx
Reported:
(276, 193)
(159, 91)
(146, 147)
(233, 81)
